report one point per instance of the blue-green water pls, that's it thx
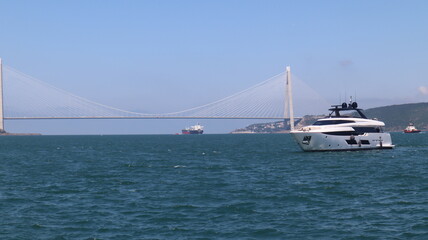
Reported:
(209, 187)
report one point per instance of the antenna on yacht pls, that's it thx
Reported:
(290, 97)
(344, 100)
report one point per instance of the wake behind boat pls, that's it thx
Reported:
(343, 132)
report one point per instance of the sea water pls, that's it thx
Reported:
(209, 187)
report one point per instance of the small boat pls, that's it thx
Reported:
(196, 129)
(343, 132)
(411, 129)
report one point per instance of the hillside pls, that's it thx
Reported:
(276, 127)
(271, 127)
(396, 118)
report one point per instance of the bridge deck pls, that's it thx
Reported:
(148, 117)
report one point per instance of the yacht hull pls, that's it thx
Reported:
(318, 141)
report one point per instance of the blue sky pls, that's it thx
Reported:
(146, 55)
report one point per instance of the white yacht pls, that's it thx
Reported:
(342, 131)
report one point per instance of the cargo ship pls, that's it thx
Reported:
(196, 129)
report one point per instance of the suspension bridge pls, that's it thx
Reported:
(23, 97)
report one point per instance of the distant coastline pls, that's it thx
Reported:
(20, 134)
(396, 118)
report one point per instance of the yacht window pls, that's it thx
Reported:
(363, 130)
(331, 122)
(343, 133)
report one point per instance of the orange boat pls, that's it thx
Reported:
(411, 129)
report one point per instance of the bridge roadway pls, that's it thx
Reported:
(142, 117)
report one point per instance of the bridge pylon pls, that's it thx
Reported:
(289, 98)
(1, 99)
